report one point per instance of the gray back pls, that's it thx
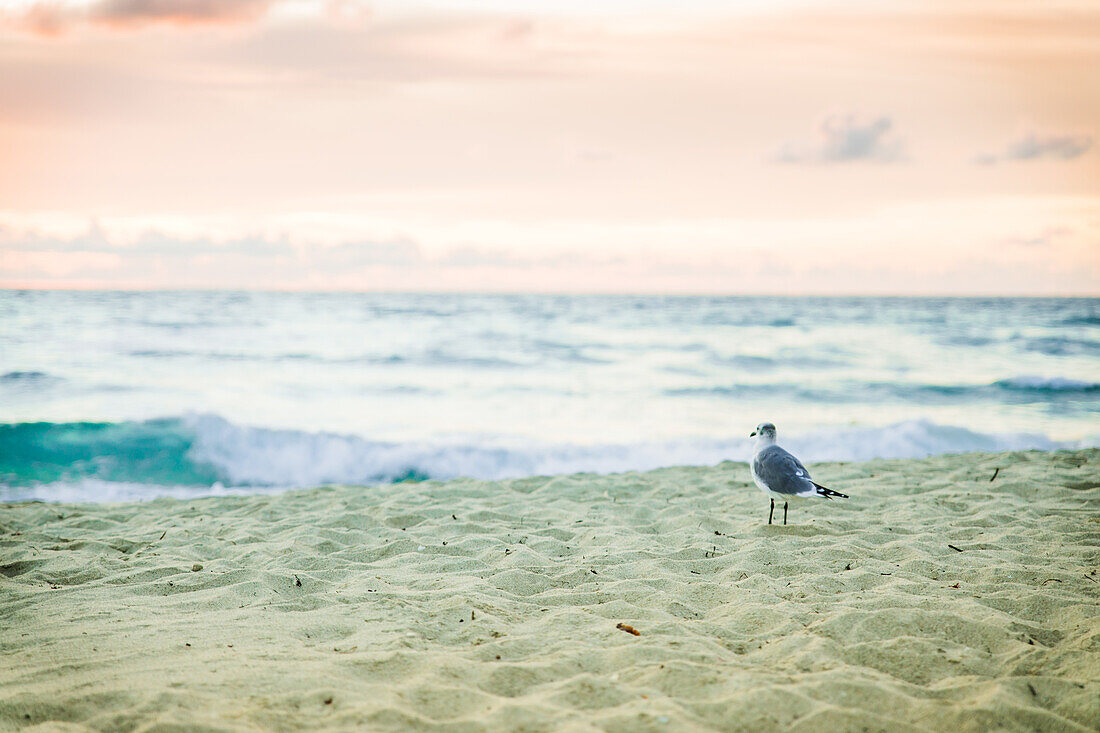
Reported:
(782, 472)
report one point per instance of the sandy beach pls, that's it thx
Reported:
(933, 599)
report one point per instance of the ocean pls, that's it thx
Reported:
(110, 396)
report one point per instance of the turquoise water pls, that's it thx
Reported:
(107, 395)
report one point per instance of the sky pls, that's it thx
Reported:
(688, 146)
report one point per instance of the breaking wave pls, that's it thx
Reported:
(197, 455)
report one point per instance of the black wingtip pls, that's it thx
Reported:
(828, 493)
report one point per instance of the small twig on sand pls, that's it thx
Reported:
(954, 548)
(995, 472)
(1050, 580)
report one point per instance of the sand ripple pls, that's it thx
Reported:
(932, 600)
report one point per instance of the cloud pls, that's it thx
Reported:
(1046, 238)
(250, 261)
(398, 50)
(123, 12)
(156, 257)
(364, 254)
(1065, 147)
(52, 18)
(1039, 146)
(845, 138)
(150, 244)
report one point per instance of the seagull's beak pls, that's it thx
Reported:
(752, 434)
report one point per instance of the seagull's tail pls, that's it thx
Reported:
(828, 493)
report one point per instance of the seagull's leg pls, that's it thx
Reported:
(784, 514)
(772, 511)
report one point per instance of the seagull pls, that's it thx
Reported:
(779, 474)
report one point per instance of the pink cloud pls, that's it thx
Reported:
(54, 18)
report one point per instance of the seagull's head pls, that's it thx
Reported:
(765, 431)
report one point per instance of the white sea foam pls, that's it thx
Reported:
(288, 457)
(100, 491)
(260, 460)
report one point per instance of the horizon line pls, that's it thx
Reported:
(576, 293)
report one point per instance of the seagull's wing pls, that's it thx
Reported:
(783, 473)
